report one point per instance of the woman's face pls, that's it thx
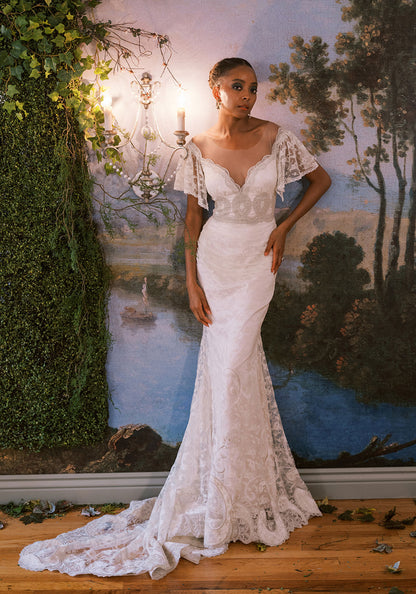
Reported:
(237, 91)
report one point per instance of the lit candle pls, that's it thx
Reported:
(108, 112)
(181, 110)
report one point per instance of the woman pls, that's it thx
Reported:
(234, 477)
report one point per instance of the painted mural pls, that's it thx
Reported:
(340, 332)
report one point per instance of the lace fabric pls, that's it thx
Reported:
(234, 477)
(254, 200)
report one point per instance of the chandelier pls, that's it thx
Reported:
(144, 138)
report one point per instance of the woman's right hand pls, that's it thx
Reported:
(199, 304)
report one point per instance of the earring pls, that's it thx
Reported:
(218, 103)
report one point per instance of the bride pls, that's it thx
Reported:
(234, 477)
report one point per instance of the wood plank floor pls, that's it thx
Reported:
(329, 555)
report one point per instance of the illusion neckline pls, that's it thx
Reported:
(249, 170)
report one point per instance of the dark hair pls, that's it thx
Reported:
(224, 66)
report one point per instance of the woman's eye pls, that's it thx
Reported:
(254, 90)
(237, 87)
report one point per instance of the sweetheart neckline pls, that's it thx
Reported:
(249, 170)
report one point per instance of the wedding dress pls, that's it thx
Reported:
(234, 477)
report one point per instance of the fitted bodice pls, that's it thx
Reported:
(254, 201)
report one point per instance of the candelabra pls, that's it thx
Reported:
(146, 183)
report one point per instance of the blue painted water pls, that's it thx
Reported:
(151, 372)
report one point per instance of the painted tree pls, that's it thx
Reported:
(371, 78)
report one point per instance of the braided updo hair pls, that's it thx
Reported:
(223, 66)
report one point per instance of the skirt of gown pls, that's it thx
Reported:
(234, 477)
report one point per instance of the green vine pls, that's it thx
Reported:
(59, 39)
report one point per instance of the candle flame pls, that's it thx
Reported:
(181, 98)
(107, 99)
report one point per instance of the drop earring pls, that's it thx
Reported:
(218, 103)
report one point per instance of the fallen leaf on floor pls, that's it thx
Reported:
(63, 506)
(44, 507)
(346, 515)
(395, 568)
(409, 521)
(365, 514)
(325, 506)
(261, 547)
(1, 525)
(413, 534)
(89, 512)
(391, 524)
(396, 591)
(382, 547)
(111, 508)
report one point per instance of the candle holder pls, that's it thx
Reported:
(181, 134)
(145, 139)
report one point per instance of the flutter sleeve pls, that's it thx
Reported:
(293, 160)
(190, 175)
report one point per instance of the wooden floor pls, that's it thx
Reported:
(328, 555)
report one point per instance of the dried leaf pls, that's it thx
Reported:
(382, 547)
(395, 568)
(90, 511)
(409, 521)
(395, 591)
(346, 515)
(365, 510)
(365, 514)
(413, 534)
(325, 506)
(63, 506)
(388, 516)
(44, 507)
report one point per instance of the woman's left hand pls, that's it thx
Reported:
(277, 244)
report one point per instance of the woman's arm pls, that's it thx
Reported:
(319, 182)
(193, 225)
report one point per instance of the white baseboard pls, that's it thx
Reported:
(334, 483)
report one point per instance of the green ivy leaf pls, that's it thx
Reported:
(21, 21)
(36, 35)
(54, 95)
(12, 91)
(50, 63)
(17, 49)
(66, 58)
(59, 41)
(44, 46)
(17, 71)
(34, 62)
(34, 73)
(48, 2)
(108, 168)
(9, 106)
(5, 32)
(20, 105)
(7, 9)
(60, 28)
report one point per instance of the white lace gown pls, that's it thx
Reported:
(234, 477)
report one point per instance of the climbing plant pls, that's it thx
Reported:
(53, 277)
